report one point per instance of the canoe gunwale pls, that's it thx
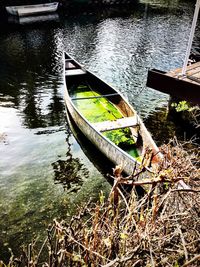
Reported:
(90, 97)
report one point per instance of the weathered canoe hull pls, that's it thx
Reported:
(113, 152)
(29, 10)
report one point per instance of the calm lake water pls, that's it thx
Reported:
(44, 173)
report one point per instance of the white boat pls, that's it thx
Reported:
(108, 120)
(32, 9)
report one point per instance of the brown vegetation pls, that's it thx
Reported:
(161, 228)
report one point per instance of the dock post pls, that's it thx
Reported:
(194, 22)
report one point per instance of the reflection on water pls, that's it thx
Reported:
(37, 154)
(33, 19)
(29, 198)
(122, 49)
(33, 136)
(31, 78)
(70, 172)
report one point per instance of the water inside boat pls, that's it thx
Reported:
(96, 108)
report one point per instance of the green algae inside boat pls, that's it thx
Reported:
(107, 119)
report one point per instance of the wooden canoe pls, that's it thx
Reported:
(107, 119)
(28, 10)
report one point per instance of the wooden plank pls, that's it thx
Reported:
(197, 75)
(73, 72)
(194, 79)
(189, 80)
(183, 89)
(191, 68)
(117, 124)
(192, 73)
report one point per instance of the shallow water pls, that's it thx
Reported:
(44, 173)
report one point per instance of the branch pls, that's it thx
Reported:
(186, 190)
(124, 259)
(121, 180)
(197, 257)
(183, 242)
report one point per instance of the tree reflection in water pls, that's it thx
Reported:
(69, 172)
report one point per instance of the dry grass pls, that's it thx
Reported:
(162, 228)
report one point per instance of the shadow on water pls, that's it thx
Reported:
(69, 172)
(170, 124)
(101, 162)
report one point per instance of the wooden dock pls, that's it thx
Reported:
(185, 87)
